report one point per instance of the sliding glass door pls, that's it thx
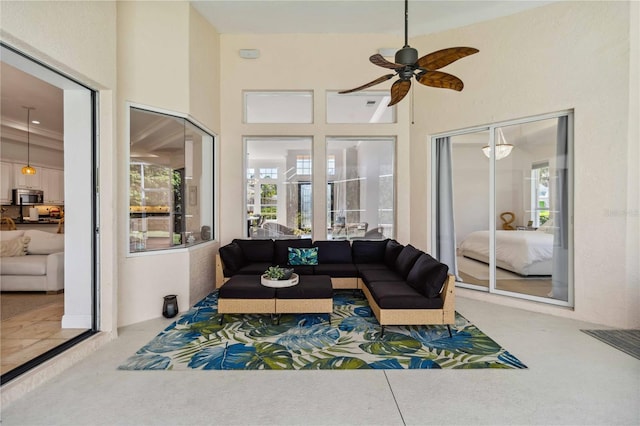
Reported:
(511, 203)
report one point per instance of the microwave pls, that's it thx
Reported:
(27, 197)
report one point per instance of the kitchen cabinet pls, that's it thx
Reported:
(6, 182)
(26, 181)
(53, 185)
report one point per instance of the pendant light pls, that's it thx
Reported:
(503, 148)
(28, 170)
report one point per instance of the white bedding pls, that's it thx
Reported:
(523, 252)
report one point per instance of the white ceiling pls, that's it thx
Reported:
(351, 16)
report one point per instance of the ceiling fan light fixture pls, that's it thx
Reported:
(28, 170)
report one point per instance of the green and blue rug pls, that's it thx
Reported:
(353, 340)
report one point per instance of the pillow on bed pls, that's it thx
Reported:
(547, 227)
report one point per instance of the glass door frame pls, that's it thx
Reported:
(492, 129)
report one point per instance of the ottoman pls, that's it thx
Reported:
(243, 294)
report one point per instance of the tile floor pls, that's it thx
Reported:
(32, 333)
(573, 379)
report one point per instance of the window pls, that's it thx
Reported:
(170, 182)
(362, 188)
(360, 107)
(303, 164)
(271, 173)
(540, 194)
(251, 173)
(278, 107)
(331, 165)
(284, 207)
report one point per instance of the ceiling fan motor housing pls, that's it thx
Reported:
(406, 56)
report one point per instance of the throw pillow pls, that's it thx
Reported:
(281, 249)
(406, 259)
(303, 256)
(232, 257)
(391, 252)
(16, 247)
(427, 276)
(334, 251)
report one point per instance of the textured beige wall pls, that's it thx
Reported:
(167, 60)
(569, 55)
(316, 62)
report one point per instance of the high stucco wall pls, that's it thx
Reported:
(167, 60)
(79, 39)
(316, 62)
(568, 55)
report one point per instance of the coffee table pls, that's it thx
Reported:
(244, 294)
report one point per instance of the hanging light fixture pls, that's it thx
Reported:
(28, 170)
(503, 148)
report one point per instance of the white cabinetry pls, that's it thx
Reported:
(6, 182)
(53, 185)
(26, 181)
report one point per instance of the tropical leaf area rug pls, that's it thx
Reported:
(353, 340)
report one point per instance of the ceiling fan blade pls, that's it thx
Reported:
(399, 89)
(444, 57)
(369, 84)
(440, 79)
(380, 61)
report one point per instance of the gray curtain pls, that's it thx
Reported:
(560, 271)
(445, 249)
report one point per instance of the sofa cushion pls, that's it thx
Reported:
(406, 259)
(232, 258)
(303, 256)
(334, 251)
(10, 235)
(24, 265)
(373, 275)
(303, 269)
(44, 242)
(427, 276)
(337, 270)
(398, 295)
(245, 287)
(368, 251)
(391, 252)
(256, 250)
(370, 266)
(15, 247)
(255, 268)
(281, 252)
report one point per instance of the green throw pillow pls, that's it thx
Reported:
(303, 256)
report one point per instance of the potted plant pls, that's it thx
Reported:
(277, 273)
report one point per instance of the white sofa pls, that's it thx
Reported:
(40, 269)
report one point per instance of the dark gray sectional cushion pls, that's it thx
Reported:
(245, 287)
(338, 270)
(255, 268)
(281, 252)
(391, 252)
(370, 266)
(312, 287)
(368, 251)
(303, 269)
(256, 250)
(398, 295)
(232, 259)
(373, 275)
(427, 276)
(334, 251)
(406, 259)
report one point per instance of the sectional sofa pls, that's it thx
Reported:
(403, 285)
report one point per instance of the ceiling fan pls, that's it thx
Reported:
(407, 65)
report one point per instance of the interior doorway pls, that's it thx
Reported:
(39, 322)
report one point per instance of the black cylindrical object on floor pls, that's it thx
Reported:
(170, 306)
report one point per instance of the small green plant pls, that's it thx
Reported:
(274, 273)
